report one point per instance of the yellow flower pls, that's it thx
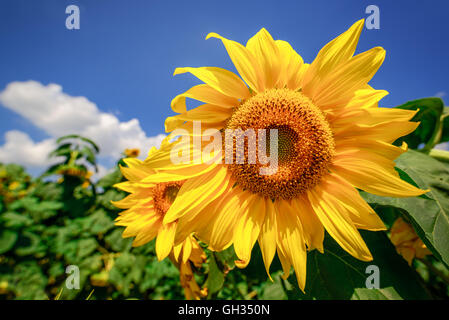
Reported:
(13, 185)
(3, 287)
(183, 256)
(75, 172)
(132, 153)
(332, 139)
(146, 206)
(407, 242)
(86, 178)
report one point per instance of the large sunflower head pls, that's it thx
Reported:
(332, 138)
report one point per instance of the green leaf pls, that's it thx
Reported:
(337, 275)
(273, 290)
(226, 259)
(75, 136)
(99, 222)
(29, 243)
(388, 293)
(429, 214)
(90, 156)
(86, 247)
(7, 240)
(110, 179)
(215, 278)
(445, 131)
(16, 220)
(430, 111)
(116, 242)
(62, 150)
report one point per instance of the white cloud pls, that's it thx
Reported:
(58, 114)
(19, 148)
(440, 94)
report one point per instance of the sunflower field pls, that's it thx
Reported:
(64, 218)
(289, 182)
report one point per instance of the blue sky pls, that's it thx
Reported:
(123, 56)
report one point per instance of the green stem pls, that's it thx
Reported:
(436, 135)
(441, 155)
(73, 156)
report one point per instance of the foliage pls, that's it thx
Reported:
(65, 218)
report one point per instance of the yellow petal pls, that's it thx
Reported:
(383, 149)
(220, 79)
(373, 178)
(247, 230)
(186, 250)
(292, 66)
(205, 93)
(180, 172)
(291, 239)
(197, 193)
(285, 263)
(312, 226)
(336, 221)
(387, 131)
(136, 170)
(165, 240)
(336, 52)
(266, 52)
(231, 208)
(339, 87)
(267, 236)
(360, 213)
(244, 61)
(361, 109)
(177, 249)
(201, 223)
(206, 113)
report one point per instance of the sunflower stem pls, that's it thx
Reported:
(436, 135)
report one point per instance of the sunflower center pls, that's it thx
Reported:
(164, 194)
(286, 142)
(305, 145)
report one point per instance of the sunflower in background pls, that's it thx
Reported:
(407, 242)
(146, 206)
(333, 138)
(132, 153)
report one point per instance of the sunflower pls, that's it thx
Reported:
(132, 153)
(407, 242)
(332, 139)
(146, 206)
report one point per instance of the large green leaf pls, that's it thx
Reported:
(337, 275)
(430, 111)
(429, 214)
